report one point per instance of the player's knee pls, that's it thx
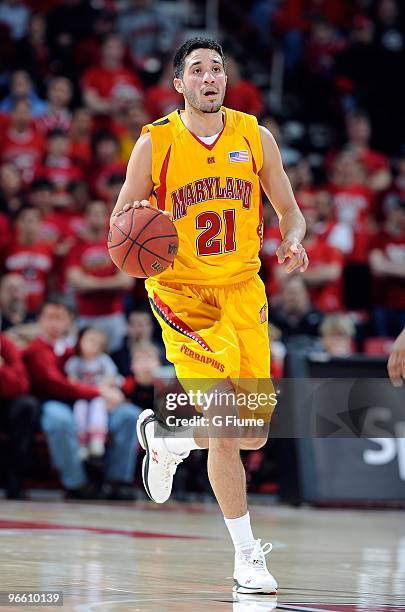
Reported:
(224, 445)
(252, 443)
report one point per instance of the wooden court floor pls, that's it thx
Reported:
(176, 557)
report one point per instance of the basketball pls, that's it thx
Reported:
(142, 242)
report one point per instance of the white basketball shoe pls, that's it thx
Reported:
(260, 602)
(251, 574)
(159, 465)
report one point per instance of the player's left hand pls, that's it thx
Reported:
(295, 252)
(396, 361)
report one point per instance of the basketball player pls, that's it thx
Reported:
(205, 166)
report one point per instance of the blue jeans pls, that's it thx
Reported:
(388, 321)
(58, 425)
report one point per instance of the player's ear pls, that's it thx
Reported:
(178, 85)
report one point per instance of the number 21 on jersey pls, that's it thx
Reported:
(211, 223)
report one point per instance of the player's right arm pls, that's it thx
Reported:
(138, 184)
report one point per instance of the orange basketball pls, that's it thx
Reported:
(142, 242)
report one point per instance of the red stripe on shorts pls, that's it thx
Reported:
(173, 320)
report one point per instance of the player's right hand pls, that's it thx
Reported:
(139, 204)
(134, 204)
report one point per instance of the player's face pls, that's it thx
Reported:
(204, 80)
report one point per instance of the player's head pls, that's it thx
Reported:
(199, 74)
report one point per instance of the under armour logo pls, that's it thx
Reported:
(211, 160)
(155, 456)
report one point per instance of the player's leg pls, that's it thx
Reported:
(248, 309)
(193, 333)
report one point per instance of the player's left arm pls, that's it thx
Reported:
(278, 189)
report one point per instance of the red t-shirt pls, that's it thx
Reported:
(93, 259)
(245, 97)
(161, 100)
(80, 152)
(59, 225)
(52, 231)
(390, 291)
(24, 150)
(5, 233)
(60, 172)
(373, 161)
(100, 178)
(111, 84)
(34, 263)
(54, 120)
(353, 205)
(327, 297)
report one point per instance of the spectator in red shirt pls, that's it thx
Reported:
(241, 94)
(5, 232)
(11, 195)
(336, 233)
(387, 264)
(128, 127)
(106, 162)
(57, 167)
(21, 144)
(106, 86)
(112, 188)
(45, 358)
(98, 284)
(13, 303)
(58, 114)
(161, 99)
(80, 137)
(353, 203)
(376, 164)
(322, 47)
(323, 277)
(18, 415)
(28, 256)
(40, 197)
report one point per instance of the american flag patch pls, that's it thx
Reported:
(239, 156)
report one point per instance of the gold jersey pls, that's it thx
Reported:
(213, 193)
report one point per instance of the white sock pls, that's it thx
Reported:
(181, 446)
(241, 533)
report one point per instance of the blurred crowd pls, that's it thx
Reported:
(79, 350)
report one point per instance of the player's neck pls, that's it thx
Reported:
(203, 124)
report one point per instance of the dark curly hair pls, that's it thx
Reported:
(189, 46)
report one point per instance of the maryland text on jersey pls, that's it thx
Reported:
(209, 188)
